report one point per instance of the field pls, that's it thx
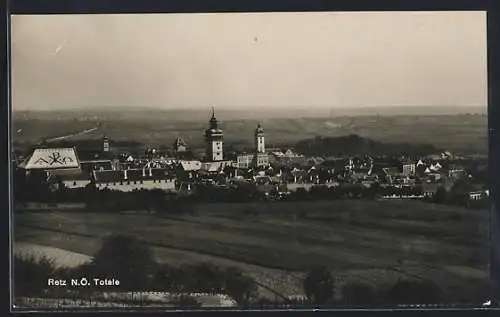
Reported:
(375, 242)
(449, 132)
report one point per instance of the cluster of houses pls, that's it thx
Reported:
(282, 171)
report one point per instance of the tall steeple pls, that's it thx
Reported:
(214, 138)
(260, 146)
(213, 120)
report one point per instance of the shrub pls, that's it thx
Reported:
(31, 274)
(185, 301)
(319, 285)
(441, 196)
(240, 287)
(166, 279)
(358, 293)
(125, 258)
(415, 292)
(202, 278)
(210, 278)
(263, 302)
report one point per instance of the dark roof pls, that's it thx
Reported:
(70, 174)
(145, 174)
(108, 176)
(75, 177)
(89, 165)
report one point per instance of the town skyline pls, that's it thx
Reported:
(291, 59)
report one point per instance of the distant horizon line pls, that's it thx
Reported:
(246, 108)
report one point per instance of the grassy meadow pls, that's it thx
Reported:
(375, 242)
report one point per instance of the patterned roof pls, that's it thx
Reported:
(52, 158)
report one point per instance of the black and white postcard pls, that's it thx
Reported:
(249, 160)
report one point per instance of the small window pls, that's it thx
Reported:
(135, 182)
(114, 184)
(74, 183)
(142, 182)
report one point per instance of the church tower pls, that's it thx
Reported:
(214, 139)
(260, 146)
(260, 158)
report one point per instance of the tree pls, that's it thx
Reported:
(127, 259)
(415, 292)
(210, 278)
(418, 190)
(440, 196)
(319, 285)
(240, 287)
(372, 192)
(31, 275)
(165, 279)
(185, 301)
(358, 293)
(301, 193)
(459, 193)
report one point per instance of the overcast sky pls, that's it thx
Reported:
(238, 60)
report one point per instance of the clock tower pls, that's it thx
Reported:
(214, 137)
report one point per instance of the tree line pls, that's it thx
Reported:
(38, 189)
(354, 145)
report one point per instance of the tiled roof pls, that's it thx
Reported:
(90, 165)
(75, 177)
(74, 171)
(132, 175)
(108, 176)
(70, 174)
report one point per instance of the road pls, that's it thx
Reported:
(67, 136)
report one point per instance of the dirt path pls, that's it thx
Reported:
(67, 136)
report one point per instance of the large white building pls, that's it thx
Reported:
(259, 158)
(135, 179)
